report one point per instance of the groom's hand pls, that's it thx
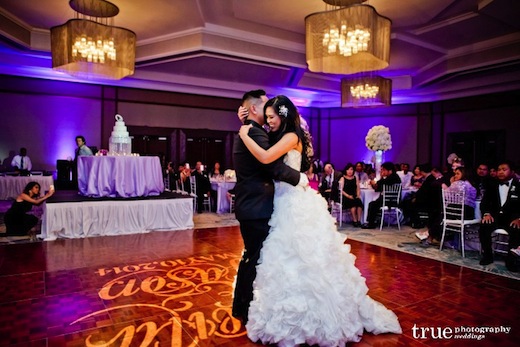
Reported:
(304, 180)
(242, 114)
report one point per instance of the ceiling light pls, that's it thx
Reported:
(366, 91)
(347, 39)
(88, 46)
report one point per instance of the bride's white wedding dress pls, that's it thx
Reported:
(307, 288)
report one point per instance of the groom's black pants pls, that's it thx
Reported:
(254, 232)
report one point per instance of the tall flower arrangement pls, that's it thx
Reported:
(378, 138)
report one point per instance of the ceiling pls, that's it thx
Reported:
(440, 49)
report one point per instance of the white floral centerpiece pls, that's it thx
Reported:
(230, 175)
(378, 138)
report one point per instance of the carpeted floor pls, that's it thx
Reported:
(404, 240)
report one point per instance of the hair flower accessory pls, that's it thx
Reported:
(378, 138)
(282, 111)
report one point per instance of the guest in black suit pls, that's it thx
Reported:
(388, 178)
(482, 180)
(254, 193)
(203, 185)
(500, 209)
(328, 187)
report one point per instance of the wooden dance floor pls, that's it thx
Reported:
(173, 288)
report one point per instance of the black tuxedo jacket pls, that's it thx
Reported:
(392, 179)
(334, 186)
(429, 196)
(491, 202)
(254, 190)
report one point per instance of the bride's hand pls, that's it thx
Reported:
(244, 130)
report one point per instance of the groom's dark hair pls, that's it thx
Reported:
(253, 94)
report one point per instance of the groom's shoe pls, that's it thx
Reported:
(241, 317)
(368, 226)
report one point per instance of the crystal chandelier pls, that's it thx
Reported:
(348, 39)
(94, 50)
(366, 91)
(90, 46)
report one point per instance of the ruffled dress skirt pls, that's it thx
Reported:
(307, 288)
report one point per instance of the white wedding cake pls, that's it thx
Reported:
(120, 142)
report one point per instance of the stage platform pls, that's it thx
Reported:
(67, 214)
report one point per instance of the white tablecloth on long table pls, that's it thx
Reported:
(119, 176)
(12, 186)
(118, 217)
(222, 188)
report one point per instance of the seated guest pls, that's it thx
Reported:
(482, 180)
(405, 175)
(417, 177)
(329, 183)
(388, 178)
(216, 170)
(493, 172)
(203, 184)
(351, 194)
(172, 175)
(428, 199)
(371, 173)
(183, 180)
(459, 182)
(83, 149)
(500, 209)
(360, 173)
(17, 221)
(22, 163)
(314, 181)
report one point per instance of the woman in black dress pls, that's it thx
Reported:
(351, 194)
(17, 221)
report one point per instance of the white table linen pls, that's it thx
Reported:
(222, 187)
(119, 176)
(12, 186)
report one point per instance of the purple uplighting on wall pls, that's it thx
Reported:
(47, 126)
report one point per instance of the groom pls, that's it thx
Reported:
(254, 193)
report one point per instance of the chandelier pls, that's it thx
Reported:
(348, 39)
(366, 91)
(90, 46)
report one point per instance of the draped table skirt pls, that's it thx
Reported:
(119, 176)
(222, 188)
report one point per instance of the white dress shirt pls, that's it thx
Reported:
(503, 190)
(22, 164)
(406, 178)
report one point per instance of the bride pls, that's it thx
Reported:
(307, 288)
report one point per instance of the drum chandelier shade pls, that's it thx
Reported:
(366, 91)
(347, 40)
(88, 47)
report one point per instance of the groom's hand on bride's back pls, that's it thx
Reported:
(304, 180)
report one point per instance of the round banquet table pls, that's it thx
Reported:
(222, 188)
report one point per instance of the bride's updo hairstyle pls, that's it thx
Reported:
(291, 123)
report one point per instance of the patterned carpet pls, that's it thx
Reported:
(404, 240)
